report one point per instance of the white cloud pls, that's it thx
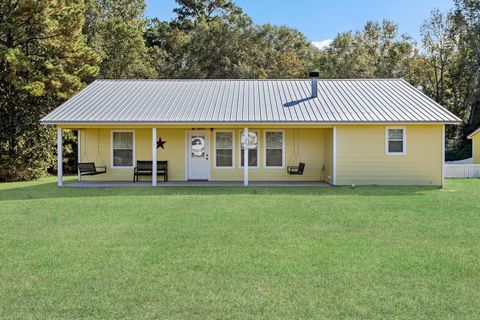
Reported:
(323, 44)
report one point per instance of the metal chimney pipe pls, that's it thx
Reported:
(314, 75)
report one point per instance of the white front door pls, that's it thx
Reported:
(198, 160)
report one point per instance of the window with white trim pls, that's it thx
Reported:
(224, 149)
(395, 141)
(253, 143)
(274, 149)
(123, 149)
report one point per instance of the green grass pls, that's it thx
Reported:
(187, 253)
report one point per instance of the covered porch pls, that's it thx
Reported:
(207, 156)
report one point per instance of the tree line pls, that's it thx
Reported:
(49, 50)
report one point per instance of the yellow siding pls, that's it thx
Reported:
(174, 152)
(328, 155)
(311, 146)
(476, 148)
(361, 157)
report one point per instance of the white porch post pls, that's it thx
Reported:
(79, 155)
(245, 156)
(154, 157)
(443, 156)
(59, 158)
(334, 175)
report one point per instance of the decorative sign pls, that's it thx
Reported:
(251, 140)
(198, 146)
(161, 143)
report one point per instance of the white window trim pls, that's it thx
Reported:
(215, 149)
(111, 150)
(241, 149)
(265, 149)
(404, 141)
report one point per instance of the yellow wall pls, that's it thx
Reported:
(361, 157)
(476, 148)
(328, 155)
(174, 152)
(311, 145)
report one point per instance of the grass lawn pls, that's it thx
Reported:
(187, 253)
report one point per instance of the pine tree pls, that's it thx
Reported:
(44, 59)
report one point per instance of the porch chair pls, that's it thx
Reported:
(296, 169)
(89, 169)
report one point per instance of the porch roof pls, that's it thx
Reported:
(249, 101)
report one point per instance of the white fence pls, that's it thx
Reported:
(462, 170)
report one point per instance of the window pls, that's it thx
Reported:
(395, 141)
(274, 149)
(123, 149)
(224, 149)
(252, 142)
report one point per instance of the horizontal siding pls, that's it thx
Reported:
(311, 148)
(328, 155)
(312, 143)
(476, 148)
(361, 157)
(174, 152)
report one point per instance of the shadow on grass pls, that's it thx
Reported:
(45, 189)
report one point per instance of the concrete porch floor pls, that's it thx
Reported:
(116, 184)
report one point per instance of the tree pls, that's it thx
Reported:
(115, 30)
(215, 39)
(286, 52)
(375, 52)
(467, 27)
(38, 70)
(191, 11)
(439, 47)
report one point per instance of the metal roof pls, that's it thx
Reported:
(249, 101)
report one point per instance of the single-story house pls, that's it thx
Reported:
(475, 137)
(344, 132)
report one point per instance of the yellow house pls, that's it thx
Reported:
(475, 137)
(342, 132)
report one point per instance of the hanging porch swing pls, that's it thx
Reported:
(89, 168)
(295, 157)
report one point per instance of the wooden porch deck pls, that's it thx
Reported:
(119, 184)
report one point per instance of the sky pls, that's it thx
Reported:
(322, 20)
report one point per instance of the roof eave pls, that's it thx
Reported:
(53, 122)
(470, 136)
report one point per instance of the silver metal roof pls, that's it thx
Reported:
(249, 101)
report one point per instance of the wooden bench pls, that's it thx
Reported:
(144, 168)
